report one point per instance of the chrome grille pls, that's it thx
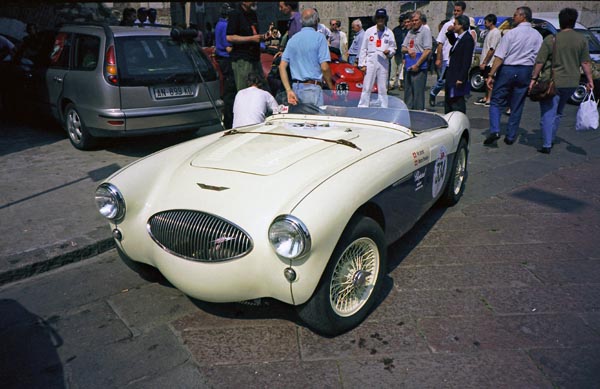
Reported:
(198, 236)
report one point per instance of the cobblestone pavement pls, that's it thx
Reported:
(502, 293)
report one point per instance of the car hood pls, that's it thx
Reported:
(234, 175)
(270, 148)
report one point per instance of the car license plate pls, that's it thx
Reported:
(168, 92)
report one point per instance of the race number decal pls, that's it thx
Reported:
(439, 171)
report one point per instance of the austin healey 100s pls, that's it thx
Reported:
(299, 208)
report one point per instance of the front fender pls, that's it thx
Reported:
(327, 209)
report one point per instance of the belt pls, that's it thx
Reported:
(311, 82)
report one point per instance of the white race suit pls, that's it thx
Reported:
(378, 65)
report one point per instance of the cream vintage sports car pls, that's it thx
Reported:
(300, 208)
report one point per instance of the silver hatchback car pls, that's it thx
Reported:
(111, 81)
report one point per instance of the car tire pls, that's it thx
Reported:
(577, 97)
(78, 134)
(357, 266)
(477, 80)
(458, 176)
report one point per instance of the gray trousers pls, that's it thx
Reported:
(241, 69)
(414, 89)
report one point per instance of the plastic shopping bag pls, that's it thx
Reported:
(587, 115)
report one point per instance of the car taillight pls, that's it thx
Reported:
(111, 66)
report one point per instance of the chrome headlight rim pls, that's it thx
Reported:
(117, 198)
(298, 226)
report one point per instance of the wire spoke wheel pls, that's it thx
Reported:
(354, 277)
(460, 170)
(458, 176)
(352, 280)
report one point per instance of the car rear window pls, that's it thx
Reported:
(594, 45)
(151, 60)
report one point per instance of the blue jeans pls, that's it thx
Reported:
(439, 85)
(551, 112)
(308, 93)
(352, 58)
(510, 90)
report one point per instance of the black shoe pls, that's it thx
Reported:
(508, 141)
(431, 100)
(545, 150)
(491, 139)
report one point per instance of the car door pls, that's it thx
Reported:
(59, 60)
(433, 156)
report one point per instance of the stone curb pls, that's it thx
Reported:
(40, 260)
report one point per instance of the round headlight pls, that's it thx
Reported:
(289, 237)
(110, 202)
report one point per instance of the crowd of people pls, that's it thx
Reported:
(143, 16)
(511, 63)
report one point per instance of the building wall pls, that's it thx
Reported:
(48, 14)
(436, 11)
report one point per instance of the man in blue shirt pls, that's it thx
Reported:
(307, 53)
(222, 49)
(290, 8)
(354, 49)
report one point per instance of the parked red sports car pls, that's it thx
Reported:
(346, 77)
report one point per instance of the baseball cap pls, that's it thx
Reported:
(381, 13)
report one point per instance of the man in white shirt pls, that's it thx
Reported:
(443, 49)
(252, 104)
(492, 38)
(510, 74)
(376, 50)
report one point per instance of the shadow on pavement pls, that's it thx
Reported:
(252, 310)
(96, 175)
(403, 246)
(553, 200)
(28, 358)
(23, 134)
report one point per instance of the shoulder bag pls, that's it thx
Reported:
(543, 90)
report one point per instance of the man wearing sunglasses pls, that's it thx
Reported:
(338, 38)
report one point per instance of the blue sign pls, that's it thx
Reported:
(479, 21)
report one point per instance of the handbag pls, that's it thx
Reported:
(587, 114)
(543, 90)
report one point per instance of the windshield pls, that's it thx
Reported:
(156, 59)
(594, 45)
(346, 105)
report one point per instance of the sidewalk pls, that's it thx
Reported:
(498, 292)
(46, 195)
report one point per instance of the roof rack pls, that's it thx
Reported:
(104, 25)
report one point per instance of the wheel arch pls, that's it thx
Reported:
(64, 102)
(373, 211)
